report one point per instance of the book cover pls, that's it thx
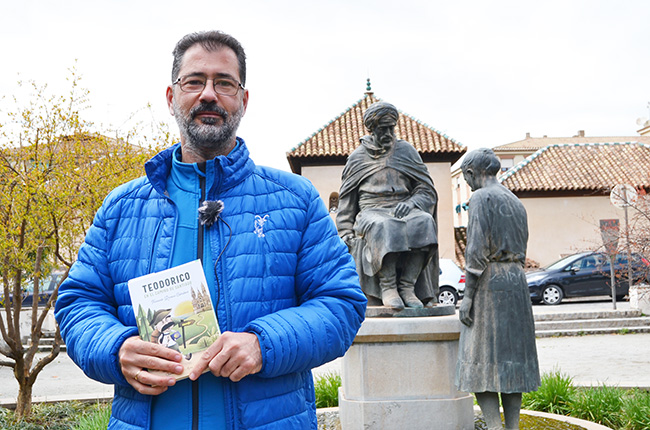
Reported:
(173, 308)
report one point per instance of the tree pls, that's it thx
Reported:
(54, 174)
(638, 234)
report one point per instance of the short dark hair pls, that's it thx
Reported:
(482, 160)
(210, 41)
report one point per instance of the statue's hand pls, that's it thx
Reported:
(348, 238)
(403, 208)
(464, 313)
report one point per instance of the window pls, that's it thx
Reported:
(507, 163)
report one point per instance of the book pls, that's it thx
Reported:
(173, 308)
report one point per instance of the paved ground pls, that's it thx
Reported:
(622, 360)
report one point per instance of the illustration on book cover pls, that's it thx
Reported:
(173, 308)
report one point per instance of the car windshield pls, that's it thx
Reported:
(48, 283)
(563, 262)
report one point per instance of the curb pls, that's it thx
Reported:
(10, 403)
(328, 419)
(588, 425)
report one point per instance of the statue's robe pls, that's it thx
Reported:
(366, 206)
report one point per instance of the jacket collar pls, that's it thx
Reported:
(222, 172)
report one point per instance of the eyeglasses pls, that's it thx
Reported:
(196, 84)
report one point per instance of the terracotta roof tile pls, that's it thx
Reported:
(581, 167)
(341, 136)
(535, 143)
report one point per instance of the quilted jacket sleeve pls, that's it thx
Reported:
(86, 310)
(331, 303)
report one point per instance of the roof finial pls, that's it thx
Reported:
(368, 87)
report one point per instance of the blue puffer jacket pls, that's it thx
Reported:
(287, 278)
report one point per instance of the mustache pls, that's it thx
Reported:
(208, 107)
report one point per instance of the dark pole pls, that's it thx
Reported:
(629, 254)
(612, 258)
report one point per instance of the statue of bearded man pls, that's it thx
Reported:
(387, 215)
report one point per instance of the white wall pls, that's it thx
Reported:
(565, 225)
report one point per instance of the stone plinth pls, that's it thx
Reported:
(399, 374)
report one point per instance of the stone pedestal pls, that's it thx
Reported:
(399, 374)
(640, 298)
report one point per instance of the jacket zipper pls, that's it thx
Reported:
(222, 294)
(199, 252)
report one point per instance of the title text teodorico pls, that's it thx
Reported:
(172, 280)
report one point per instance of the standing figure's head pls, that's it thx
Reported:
(207, 95)
(380, 119)
(479, 166)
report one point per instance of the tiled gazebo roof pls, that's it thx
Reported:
(593, 168)
(332, 144)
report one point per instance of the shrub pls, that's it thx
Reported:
(96, 419)
(610, 406)
(602, 405)
(554, 396)
(636, 410)
(56, 416)
(327, 390)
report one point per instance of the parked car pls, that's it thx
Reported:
(584, 274)
(47, 286)
(452, 282)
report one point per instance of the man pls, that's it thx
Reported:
(497, 352)
(387, 215)
(283, 284)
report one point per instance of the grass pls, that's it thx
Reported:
(97, 419)
(327, 390)
(554, 396)
(610, 406)
(637, 409)
(600, 405)
(58, 416)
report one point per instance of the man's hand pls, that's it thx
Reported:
(403, 208)
(465, 311)
(136, 356)
(233, 355)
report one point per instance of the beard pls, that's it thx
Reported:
(207, 135)
(386, 142)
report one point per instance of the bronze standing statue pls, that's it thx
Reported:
(387, 215)
(497, 352)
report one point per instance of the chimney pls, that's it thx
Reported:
(527, 135)
(581, 133)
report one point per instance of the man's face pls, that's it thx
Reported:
(208, 121)
(384, 131)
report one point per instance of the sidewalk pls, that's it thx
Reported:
(616, 360)
(620, 360)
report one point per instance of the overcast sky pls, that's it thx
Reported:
(485, 73)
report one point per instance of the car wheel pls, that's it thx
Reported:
(552, 295)
(447, 296)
